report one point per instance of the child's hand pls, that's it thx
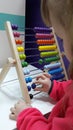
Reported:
(45, 81)
(18, 107)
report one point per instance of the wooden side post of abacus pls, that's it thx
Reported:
(60, 54)
(9, 63)
(18, 66)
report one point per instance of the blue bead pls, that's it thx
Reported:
(30, 79)
(33, 86)
(25, 71)
(26, 79)
(57, 77)
(29, 88)
(28, 71)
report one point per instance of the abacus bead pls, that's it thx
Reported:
(24, 64)
(31, 96)
(40, 61)
(26, 79)
(19, 49)
(18, 34)
(29, 88)
(21, 56)
(30, 79)
(22, 49)
(61, 76)
(12, 26)
(19, 41)
(15, 27)
(50, 53)
(15, 34)
(24, 56)
(33, 86)
(16, 41)
(55, 58)
(26, 71)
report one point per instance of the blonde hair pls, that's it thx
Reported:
(63, 12)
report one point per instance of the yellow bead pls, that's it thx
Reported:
(45, 48)
(22, 49)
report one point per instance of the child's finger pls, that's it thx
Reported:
(12, 116)
(12, 109)
(47, 75)
(39, 81)
(39, 89)
(40, 76)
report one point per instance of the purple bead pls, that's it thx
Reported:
(14, 27)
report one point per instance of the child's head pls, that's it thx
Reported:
(59, 14)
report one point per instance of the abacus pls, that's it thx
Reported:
(41, 51)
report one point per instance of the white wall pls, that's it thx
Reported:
(12, 7)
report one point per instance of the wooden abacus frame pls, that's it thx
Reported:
(60, 54)
(14, 61)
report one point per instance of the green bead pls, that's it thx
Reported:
(24, 56)
(46, 54)
(21, 56)
(24, 64)
(40, 61)
(47, 60)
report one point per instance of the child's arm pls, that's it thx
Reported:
(32, 119)
(59, 88)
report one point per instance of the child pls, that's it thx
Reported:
(59, 14)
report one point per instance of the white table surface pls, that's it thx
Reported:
(10, 93)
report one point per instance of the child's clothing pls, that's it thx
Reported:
(59, 119)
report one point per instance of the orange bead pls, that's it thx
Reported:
(45, 42)
(18, 41)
